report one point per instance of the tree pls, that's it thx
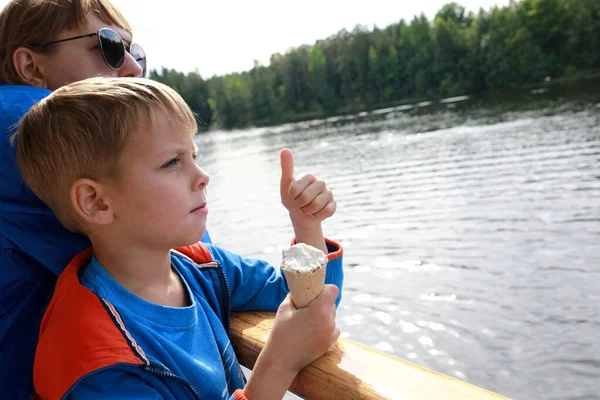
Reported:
(456, 53)
(320, 85)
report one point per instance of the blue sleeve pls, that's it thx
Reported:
(113, 384)
(27, 224)
(257, 285)
(25, 289)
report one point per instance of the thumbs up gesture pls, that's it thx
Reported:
(307, 198)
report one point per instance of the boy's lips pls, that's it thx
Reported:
(200, 209)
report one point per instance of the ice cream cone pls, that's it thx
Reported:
(304, 267)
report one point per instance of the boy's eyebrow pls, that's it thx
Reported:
(179, 150)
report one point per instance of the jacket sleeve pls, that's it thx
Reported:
(257, 285)
(25, 289)
(114, 384)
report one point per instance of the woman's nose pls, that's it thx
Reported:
(130, 67)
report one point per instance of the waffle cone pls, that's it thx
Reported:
(306, 287)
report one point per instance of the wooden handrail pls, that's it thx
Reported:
(350, 370)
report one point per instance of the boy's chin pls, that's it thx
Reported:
(191, 239)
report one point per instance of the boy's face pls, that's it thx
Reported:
(160, 199)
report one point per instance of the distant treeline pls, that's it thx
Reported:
(456, 53)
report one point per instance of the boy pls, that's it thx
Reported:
(114, 159)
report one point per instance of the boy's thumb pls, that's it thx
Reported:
(330, 293)
(287, 169)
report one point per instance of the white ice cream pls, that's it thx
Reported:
(302, 259)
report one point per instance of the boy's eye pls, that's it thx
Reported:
(196, 158)
(171, 163)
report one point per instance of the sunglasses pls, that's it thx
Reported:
(112, 47)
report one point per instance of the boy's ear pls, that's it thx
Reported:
(28, 66)
(90, 203)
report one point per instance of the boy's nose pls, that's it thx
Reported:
(202, 179)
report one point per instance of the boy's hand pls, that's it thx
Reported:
(307, 199)
(298, 337)
(303, 335)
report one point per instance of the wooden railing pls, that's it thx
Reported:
(350, 370)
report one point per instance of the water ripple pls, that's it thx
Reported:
(471, 235)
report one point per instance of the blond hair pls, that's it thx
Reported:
(81, 131)
(35, 22)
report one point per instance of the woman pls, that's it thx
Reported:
(43, 45)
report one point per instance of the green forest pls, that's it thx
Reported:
(457, 53)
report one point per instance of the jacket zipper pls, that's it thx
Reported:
(225, 285)
(226, 297)
(166, 374)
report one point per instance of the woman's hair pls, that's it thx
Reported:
(81, 130)
(27, 22)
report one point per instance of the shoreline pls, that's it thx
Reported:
(564, 82)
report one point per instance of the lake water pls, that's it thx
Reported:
(471, 230)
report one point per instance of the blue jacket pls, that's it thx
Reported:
(34, 249)
(99, 340)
